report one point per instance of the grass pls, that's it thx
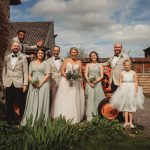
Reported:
(99, 134)
(138, 141)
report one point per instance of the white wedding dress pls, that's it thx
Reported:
(69, 101)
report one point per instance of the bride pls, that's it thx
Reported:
(69, 100)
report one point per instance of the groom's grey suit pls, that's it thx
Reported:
(55, 76)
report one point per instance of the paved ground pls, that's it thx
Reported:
(142, 117)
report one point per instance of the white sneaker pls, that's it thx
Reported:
(131, 125)
(126, 124)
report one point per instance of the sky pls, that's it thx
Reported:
(92, 24)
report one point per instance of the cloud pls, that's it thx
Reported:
(94, 24)
(129, 33)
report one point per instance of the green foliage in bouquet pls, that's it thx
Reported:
(35, 81)
(72, 75)
(92, 79)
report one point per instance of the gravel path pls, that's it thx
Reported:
(142, 117)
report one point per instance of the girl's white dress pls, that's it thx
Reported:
(124, 98)
(69, 100)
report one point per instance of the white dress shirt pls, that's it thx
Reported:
(114, 61)
(57, 63)
(14, 60)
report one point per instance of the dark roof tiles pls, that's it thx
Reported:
(34, 30)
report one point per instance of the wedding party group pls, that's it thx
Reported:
(48, 88)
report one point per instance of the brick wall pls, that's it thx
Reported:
(4, 34)
(140, 65)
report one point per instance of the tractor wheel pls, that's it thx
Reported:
(106, 110)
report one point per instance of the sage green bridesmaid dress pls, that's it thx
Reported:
(37, 102)
(93, 95)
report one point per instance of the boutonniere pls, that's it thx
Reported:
(121, 56)
(19, 58)
(61, 59)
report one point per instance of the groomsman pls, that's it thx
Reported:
(20, 38)
(55, 63)
(15, 80)
(116, 62)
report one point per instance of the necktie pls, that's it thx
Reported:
(116, 55)
(22, 48)
(14, 55)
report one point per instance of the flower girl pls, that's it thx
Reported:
(129, 96)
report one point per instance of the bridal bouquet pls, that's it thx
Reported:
(72, 76)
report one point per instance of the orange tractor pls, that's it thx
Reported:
(105, 109)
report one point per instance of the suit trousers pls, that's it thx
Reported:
(113, 87)
(53, 91)
(14, 95)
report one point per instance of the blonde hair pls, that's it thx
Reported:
(128, 61)
(74, 48)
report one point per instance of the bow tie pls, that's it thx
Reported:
(116, 55)
(57, 58)
(14, 55)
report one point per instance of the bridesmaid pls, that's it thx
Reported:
(37, 103)
(94, 92)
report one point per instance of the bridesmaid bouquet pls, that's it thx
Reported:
(34, 82)
(72, 76)
(92, 79)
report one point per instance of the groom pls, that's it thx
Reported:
(15, 80)
(55, 63)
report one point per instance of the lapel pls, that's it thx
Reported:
(111, 61)
(20, 57)
(119, 57)
(53, 63)
(8, 60)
